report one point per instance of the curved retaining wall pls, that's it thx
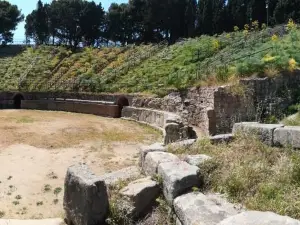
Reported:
(107, 110)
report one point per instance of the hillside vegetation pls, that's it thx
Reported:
(158, 69)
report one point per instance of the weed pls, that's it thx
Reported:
(18, 197)
(57, 190)
(39, 203)
(16, 202)
(2, 214)
(9, 178)
(55, 201)
(47, 188)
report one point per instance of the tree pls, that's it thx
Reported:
(287, 9)
(10, 16)
(37, 24)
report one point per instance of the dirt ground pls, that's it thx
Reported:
(37, 147)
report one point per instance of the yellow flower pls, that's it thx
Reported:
(274, 38)
(236, 28)
(216, 44)
(292, 64)
(228, 36)
(268, 58)
(291, 25)
(246, 27)
(245, 32)
(255, 24)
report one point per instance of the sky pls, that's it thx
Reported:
(27, 6)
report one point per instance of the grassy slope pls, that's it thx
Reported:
(205, 60)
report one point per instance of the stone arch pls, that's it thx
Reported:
(18, 100)
(121, 102)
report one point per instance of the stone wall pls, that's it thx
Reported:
(215, 109)
(73, 106)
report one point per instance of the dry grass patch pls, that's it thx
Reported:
(249, 172)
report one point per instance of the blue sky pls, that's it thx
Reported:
(28, 5)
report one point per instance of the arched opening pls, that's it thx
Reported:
(17, 101)
(121, 102)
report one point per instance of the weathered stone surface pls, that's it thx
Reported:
(140, 196)
(85, 197)
(287, 136)
(32, 222)
(172, 133)
(115, 177)
(196, 160)
(178, 177)
(196, 208)
(259, 218)
(263, 131)
(221, 138)
(156, 147)
(153, 159)
(183, 144)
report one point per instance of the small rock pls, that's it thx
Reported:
(85, 197)
(259, 218)
(178, 177)
(156, 147)
(140, 195)
(113, 178)
(153, 159)
(196, 160)
(197, 208)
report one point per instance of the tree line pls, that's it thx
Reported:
(71, 22)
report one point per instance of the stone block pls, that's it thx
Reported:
(196, 160)
(153, 159)
(221, 138)
(85, 197)
(183, 144)
(287, 136)
(156, 147)
(178, 177)
(263, 131)
(197, 208)
(172, 133)
(257, 218)
(128, 173)
(139, 196)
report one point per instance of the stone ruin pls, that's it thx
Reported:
(86, 197)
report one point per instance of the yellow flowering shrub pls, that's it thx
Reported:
(216, 45)
(292, 64)
(274, 38)
(291, 25)
(268, 58)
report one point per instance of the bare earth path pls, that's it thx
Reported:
(37, 147)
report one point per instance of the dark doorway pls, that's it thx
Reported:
(17, 101)
(121, 102)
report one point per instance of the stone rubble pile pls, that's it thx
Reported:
(86, 199)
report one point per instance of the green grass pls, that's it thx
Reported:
(253, 174)
(293, 120)
(202, 61)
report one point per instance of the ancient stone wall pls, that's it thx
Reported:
(215, 109)
(106, 110)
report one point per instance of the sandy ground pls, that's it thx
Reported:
(37, 147)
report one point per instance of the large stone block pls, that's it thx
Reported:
(221, 138)
(156, 147)
(196, 160)
(139, 196)
(128, 173)
(287, 136)
(153, 159)
(197, 208)
(85, 197)
(178, 177)
(263, 131)
(257, 218)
